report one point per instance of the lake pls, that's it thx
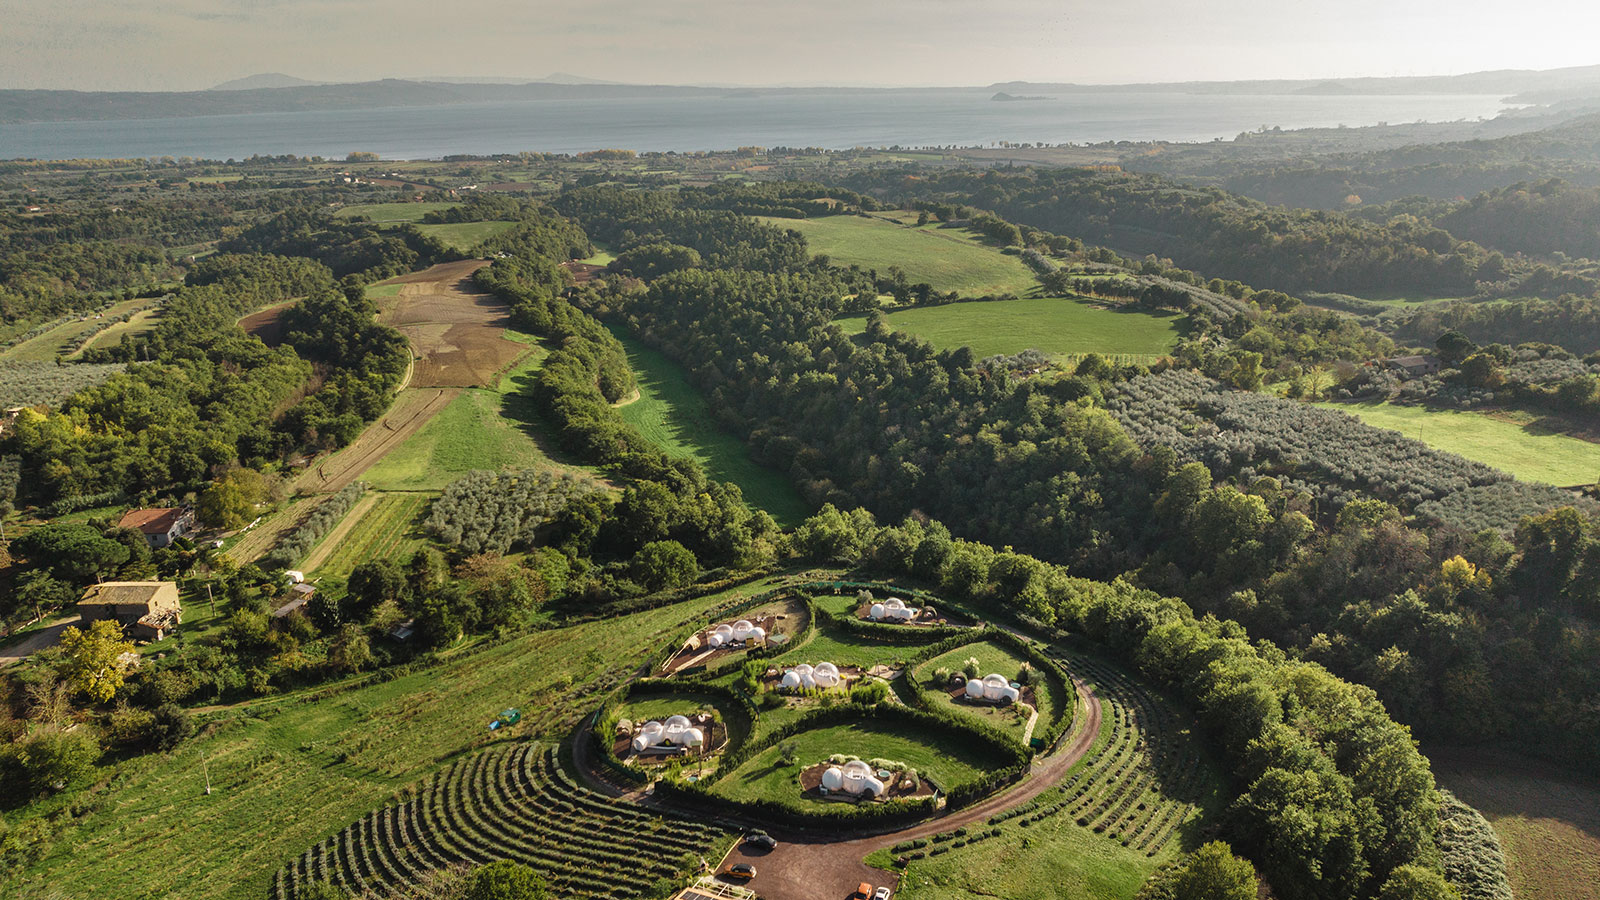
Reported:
(834, 119)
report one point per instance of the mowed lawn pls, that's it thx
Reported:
(1054, 326)
(1556, 459)
(946, 757)
(672, 415)
(945, 258)
(391, 213)
(480, 429)
(289, 771)
(464, 236)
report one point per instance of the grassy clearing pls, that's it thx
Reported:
(1548, 821)
(1556, 459)
(844, 649)
(945, 757)
(60, 340)
(464, 236)
(673, 416)
(1056, 326)
(143, 322)
(947, 258)
(1050, 693)
(480, 429)
(391, 528)
(286, 773)
(391, 213)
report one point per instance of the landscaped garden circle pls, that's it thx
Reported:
(945, 678)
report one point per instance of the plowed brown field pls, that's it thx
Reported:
(456, 330)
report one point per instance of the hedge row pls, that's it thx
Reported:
(890, 634)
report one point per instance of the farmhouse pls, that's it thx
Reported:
(160, 527)
(993, 688)
(1415, 365)
(149, 610)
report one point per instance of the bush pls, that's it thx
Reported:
(505, 880)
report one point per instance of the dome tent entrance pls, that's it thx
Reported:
(993, 688)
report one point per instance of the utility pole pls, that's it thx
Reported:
(211, 597)
(207, 770)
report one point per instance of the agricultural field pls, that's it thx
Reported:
(381, 526)
(464, 236)
(675, 417)
(1051, 695)
(948, 259)
(1556, 459)
(140, 323)
(32, 383)
(1058, 327)
(1548, 821)
(392, 213)
(63, 339)
(947, 758)
(480, 428)
(309, 768)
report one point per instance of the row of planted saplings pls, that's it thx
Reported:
(513, 803)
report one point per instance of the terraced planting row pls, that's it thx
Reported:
(384, 532)
(1143, 784)
(513, 802)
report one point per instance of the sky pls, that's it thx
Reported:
(193, 44)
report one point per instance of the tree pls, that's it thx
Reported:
(1417, 883)
(73, 551)
(93, 659)
(229, 501)
(662, 565)
(1214, 873)
(1453, 347)
(505, 880)
(350, 650)
(370, 585)
(49, 759)
(38, 593)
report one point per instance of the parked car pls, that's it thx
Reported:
(881, 894)
(761, 839)
(742, 872)
(863, 892)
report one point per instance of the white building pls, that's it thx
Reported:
(674, 733)
(893, 609)
(740, 632)
(854, 777)
(822, 675)
(994, 688)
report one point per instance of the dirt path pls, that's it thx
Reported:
(258, 540)
(808, 867)
(38, 640)
(325, 548)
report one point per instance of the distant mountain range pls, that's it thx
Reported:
(277, 92)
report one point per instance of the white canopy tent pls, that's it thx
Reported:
(822, 675)
(892, 608)
(854, 777)
(675, 732)
(995, 688)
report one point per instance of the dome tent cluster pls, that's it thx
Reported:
(676, 732)
(854, 777)
(893, 609)
(822, 675)
(740, 632)
(993, 688)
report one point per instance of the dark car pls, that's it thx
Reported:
(761, 839)
(742, 872)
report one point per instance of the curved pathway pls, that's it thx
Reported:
(807, 866)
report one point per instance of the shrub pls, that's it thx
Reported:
(505, 880)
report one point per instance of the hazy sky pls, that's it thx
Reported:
(190, 44)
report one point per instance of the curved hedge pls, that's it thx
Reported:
(1039, 662)
(700, 795)
(730, 610)
(605, 749)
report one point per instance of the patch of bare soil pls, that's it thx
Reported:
(456, 330)
(267, 324)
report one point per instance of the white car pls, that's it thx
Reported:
(881, 894)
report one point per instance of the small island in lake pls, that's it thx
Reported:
(1004, 97)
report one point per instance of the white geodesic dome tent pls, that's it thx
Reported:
(893, 608)
(676, 731)
(821, 675)
(854, 777)
(995, 688)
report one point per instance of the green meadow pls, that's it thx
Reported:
(1055, 326)
(948, 259)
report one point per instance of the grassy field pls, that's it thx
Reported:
(286, 773)
(948, 259)
(480, 429)
(390, 213)
(464, 236)
(1050, 693)
(61, 339)
(391, 528)
(1548, 821)
(142, 322)
(673, 416)
(1058, 327)
(945, 757)
(1552, 458)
